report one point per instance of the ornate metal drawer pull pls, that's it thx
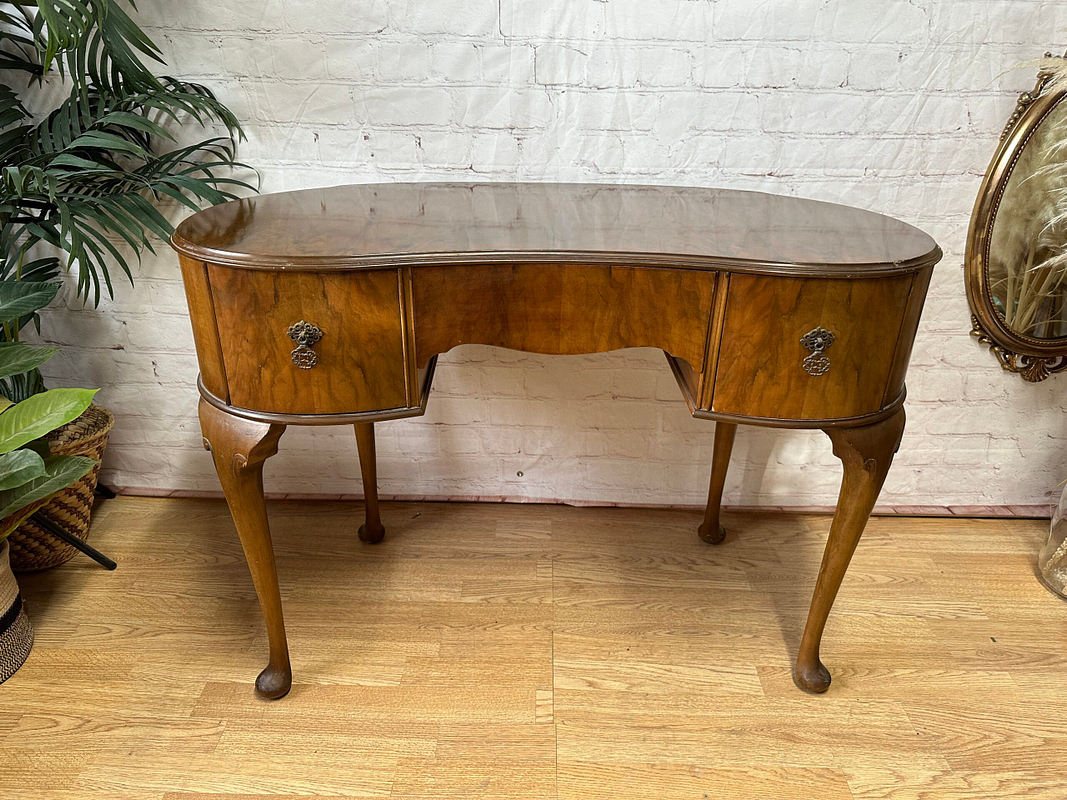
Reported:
(817, 341)
(305, 335)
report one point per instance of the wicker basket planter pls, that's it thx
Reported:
(16, 633)
(32, 547)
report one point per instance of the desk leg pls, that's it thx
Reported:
(372, 530)
(710, 530)
(865, 454)
(240, 447)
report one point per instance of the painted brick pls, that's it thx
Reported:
(405, 105)
(460, 62)
(501, 107)
(403, 61)
(577, 19)
(598, 111)
(890, 105)
(616, 65)
(300, 101)
(370, 16)
(682, 112)
(445, 17)
(351, 58)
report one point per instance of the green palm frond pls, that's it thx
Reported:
(12, 111)
(91, 41)
(85, 178)
(17, 45)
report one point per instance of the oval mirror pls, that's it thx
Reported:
(1016, 260)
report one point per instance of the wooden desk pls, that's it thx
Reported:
(330, 306)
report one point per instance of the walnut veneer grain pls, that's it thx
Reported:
(205, 326)
(367, 225)
(760, 370)
(726, 283)
(360, 358)
(562, 309)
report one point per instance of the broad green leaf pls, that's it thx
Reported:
(19, 467)
(16, 357)
(39, 446)
(60, 472)
(18, 298)
(40, 414)
(5, 404)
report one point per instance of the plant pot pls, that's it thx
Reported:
(16, 633)
(33, 547)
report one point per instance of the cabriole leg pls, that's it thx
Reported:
(240, 447)
(372, 530)
(865, 454)
(710, 530)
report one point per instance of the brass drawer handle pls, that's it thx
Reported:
(305, 334)
(817, 340)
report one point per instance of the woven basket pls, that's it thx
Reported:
(32, 547)
(16, 633)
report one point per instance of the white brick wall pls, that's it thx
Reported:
(892, 105)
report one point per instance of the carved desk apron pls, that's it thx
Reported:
(330, 306)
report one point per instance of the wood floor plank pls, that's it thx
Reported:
(580, 780)
(743, 730)
(901, 682)
(337, 739)
(96, 732)
(279, 771)
(538, 652)
(483, 760)
(390, 703)
(916, 782)
(35, 771)
(474, 776)
(1020, 736)
(616, 674)
(85, 794)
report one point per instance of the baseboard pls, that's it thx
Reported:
(992, 511)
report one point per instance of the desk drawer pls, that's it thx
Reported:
(764, 369)
(352, 361)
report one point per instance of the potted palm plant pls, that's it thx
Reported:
(80, 183)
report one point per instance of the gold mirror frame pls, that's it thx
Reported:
(1034, 359)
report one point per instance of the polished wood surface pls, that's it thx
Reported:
(371, 531)
(563, 309)
(866, 454)
(909, 326)
(360, 358)
(366, 225)
(205, 327)
(760, 369)
(710, 530)
(531, 652)
(771, 310)
(701, 386)
(239, 448)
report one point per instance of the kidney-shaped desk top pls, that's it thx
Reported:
(374, 225)
(330, 306)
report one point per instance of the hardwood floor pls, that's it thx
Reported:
(530, 652)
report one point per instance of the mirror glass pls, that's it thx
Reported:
(1027, 266)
